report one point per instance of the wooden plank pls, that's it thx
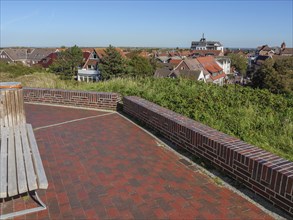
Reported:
(21, 103)
(12, 185)
(29, 167)
(5, 111)
(16, 107)
(42, 179)
(9, 108)
(1, 111)
(3, 163)
(12, 106)
(21, 177)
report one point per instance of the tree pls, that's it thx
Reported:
(284, 67)
(68, 62)
(140, 66)
(239, 63)
(112, 64)
(275, 76)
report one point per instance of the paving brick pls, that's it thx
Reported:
(107, 168)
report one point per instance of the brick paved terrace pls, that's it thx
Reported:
(101, 166)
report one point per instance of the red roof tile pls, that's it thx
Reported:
(175, 62)
(210, 64)
(218, 76)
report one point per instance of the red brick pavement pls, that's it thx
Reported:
(108, 168)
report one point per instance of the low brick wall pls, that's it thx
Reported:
(265, 173)
(97, 100)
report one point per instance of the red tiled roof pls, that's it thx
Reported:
(210, 64)
(185, 53)
(86, 55)
(207, 52)
(101, 52)
(87, 50)
(218, 76)
(175, 62)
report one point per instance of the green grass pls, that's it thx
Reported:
(255, 116)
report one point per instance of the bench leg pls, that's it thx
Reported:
(36, 198)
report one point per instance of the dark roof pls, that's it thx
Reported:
(287, 51)
(187, 74)
(261, 59)
(16, 54)
(163, 72)
(40, 53)
(193, 64)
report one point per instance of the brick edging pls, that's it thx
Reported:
(96, 100)
(266, 174)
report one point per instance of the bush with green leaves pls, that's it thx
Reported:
(17, 69)
(256, 116)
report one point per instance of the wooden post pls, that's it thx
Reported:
(11, 104)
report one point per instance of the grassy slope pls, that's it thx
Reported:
(255, 116)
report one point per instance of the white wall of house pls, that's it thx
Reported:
(88, 75)
(201, 77)
(225, 64)
(219, 81)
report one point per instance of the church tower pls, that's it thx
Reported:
(283, 46)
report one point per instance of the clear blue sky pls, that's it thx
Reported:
(145, 23)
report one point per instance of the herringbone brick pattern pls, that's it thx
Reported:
(108, 168)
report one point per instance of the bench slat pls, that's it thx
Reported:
(3, 163)
(5, 111)
(9, 97)
(42, 179)
(21, 177)
(31, 178)
(12, 186)
(21, 114)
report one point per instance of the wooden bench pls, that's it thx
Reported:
(21, 168)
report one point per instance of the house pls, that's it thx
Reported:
(284, 51)
(174, 62)
(164, 71)
(163, 59)
(89, 71)
(203, 44)
(190, 68)
(189, 64)
(265, 50)
(204, 53)
(35, 55)
(196, 75)
(48, 60)
(184, 53)
(225, 64)
(216, 73)
(10, 55)
(102, 52)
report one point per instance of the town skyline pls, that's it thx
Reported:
(145, 23)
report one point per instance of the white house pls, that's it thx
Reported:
(88, 75)
(203, 44)
(224, 63)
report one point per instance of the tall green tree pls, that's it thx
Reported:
(140, 66)
(68, 61)
(239, 63)
(276, 76)
(112, 64)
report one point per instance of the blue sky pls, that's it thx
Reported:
(145, 23)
